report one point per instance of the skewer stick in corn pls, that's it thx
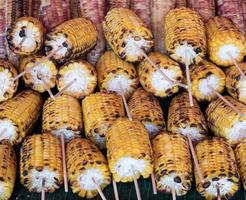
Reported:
(153, 183)
(43, 190)
(116, 194)
(46, 86)
(173, 194)
(218, 192)
(237, 66)
(99, 189)
(21, 42)
(64, 165)
(187, 71)
(136, 184)
(65, 88)
(124, 101)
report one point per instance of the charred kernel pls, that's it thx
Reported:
(206, 184)
(177, 179)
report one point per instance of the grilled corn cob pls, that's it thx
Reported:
(86, 165)
(75, 36)
(41, 160)
(184, 35)
(100, 110)
(126, 34)
(240, 151)
(83, 73)
(128, 150)
(218, 166)
(26, 36)
(62, 116)
(41, 76)
(205, 78)
(112, 71)
(7, 86)
(172, 163)
(8, 170)
(235, 84)
(153, 81)
(145, 108)
(19, 115)
(225, 122)
(184, 119)
(225, 40)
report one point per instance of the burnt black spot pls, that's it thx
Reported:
(177, 179)
(22, 33)
(206, 184)
(215, 179)
(48, 48)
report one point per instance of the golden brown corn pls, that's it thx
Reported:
(8, 170)
(218, 166)
(153, 81)
(172, 163)
(86, 166)
(184, 119)
(225, 122)
(235, 83)
(75, 36)
(62, 116)
(129, 150)
(205, 79)
(7, 86)
(225, 40)
(126, 34)
(41, 160)
(100, 110)
(114, 73)
(145, 108)
(19, 115)
(184, 35)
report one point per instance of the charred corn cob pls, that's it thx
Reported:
(225, 122)
(41, 76)
(235, 84)
(153, 81)
(218, 166)
(86, 165)
(8, 170)
(62, 116)
(240, 152)
(26, 36)
(128, 150)
(225, 40)
(126, 34)
(100, 110)
(83, 74)
(145, 108)
(41, 160)
(184, 35)
(75, 37)
(184, 119)
(19, 115)
(205, 78)
(7, 86)
(172, 163)
(113, 72)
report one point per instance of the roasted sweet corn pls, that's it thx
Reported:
(218, 166)
(86, 168)
(19, 115)
(100, 110)
(126, 34)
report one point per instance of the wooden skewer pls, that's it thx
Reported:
(153, 183)
(21, 42)
(99, 189)
(46, 86)
(237, 66)
(116, 194)
(187, 71)
(65, 88)
(173, 194)
(43, 190)
(64, 165)
(136, 184)
(218, 192)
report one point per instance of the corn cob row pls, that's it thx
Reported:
(119, 4)
(184, 35)
(112, 71)
(40, 77)
(129, 150)
(240, 151)
(184, 119)
(19, 115)
(181, 3)
(225, 40)
(7, 86)
(73, 36)
(8, 170)
(100, 110)
(37, 163)
(86, 163)
(153, 81)
(235, 84)
(62, 116)
(225, 122)
(218, 166)
(83, 73)
(205, 78)
(126, 34)
(145, 108)
(172, 163)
